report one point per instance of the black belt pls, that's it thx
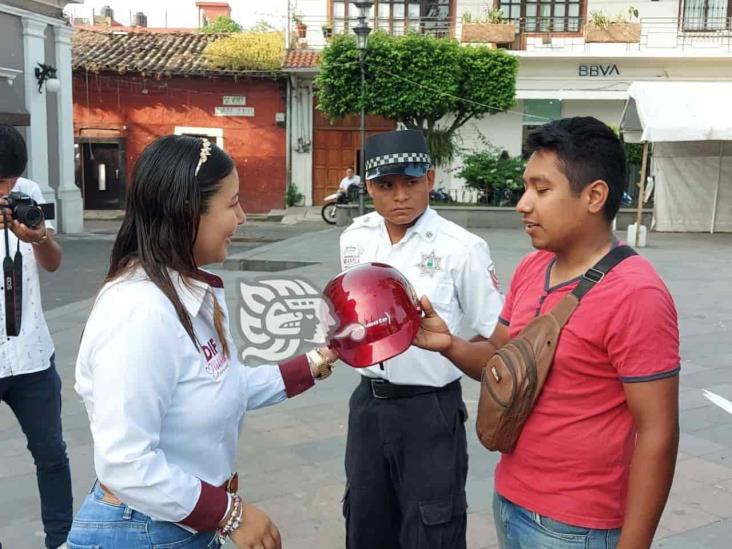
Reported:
(380, 388)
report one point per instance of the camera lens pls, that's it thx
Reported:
(30, 216)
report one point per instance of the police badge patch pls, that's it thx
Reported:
(352, 256)
(430, 264)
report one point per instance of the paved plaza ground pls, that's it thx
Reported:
(291, 456)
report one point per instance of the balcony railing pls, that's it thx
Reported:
(689, 33)
(558, 33)
(434, 26)
(548, 24)
(316, 34)
(569, 33)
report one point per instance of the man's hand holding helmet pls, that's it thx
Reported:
(433, 333)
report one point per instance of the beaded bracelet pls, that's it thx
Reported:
(235, 519)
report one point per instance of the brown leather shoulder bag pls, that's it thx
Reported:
(514, 376)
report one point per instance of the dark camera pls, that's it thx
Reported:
(28, 211)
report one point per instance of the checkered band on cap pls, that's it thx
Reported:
(398, 158)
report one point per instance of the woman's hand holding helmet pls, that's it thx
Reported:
(321, 361)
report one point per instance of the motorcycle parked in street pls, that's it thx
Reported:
(440, 195)
(328, 212)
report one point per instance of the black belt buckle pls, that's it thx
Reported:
(379, 388)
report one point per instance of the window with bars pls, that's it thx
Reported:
(707, 15)
(397, 16)
(544, 15)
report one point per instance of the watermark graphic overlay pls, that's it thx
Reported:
(281, 317)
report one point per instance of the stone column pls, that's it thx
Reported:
(302, 137)
(70, 202)
(35, 103)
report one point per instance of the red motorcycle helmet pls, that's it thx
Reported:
(377, 314)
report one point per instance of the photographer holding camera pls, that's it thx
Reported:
(29, 383)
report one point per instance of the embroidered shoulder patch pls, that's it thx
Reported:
(494, 278)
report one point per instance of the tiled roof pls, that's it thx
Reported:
(147, 53)
(122, 28)
(301, 59)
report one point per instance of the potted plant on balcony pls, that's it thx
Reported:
(492, 28)
(300, 27)
(328, 30)
(624, 28)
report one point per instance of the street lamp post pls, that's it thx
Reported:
(362, 31)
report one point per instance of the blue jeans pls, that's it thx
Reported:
(519, 528)
(35, 399)
(103, 525)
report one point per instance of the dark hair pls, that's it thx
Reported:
(165, 201)
(588, 150)
(13, 152)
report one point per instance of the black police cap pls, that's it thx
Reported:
(398, 152)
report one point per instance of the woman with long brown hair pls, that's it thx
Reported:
(157, 368)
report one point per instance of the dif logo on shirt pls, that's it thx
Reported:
(216, 362)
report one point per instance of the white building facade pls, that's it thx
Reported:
(567, 68)
(34, 33)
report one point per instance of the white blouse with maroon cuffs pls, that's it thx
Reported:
(165, 414)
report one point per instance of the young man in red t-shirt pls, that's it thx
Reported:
(594, 463)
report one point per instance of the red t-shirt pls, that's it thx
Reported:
(572, 460)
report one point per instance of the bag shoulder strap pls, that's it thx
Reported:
(605, 265)
(563, 310)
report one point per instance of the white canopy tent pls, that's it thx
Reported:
(690, 124)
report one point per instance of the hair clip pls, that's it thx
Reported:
(205, 153)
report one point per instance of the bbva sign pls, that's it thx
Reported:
(599, 70)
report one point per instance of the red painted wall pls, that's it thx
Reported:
(142, 110)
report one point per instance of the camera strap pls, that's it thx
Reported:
(12, 285)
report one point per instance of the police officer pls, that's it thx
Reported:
(406, 454)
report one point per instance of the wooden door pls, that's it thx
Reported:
(333, 152)
(336, 146)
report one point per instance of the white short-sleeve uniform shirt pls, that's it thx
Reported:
(443, 261)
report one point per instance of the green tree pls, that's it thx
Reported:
(492, 172)
(262, 26)
(247, 51)
(222, 25)
(429, 83)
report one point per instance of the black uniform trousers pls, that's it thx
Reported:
(406, 467)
